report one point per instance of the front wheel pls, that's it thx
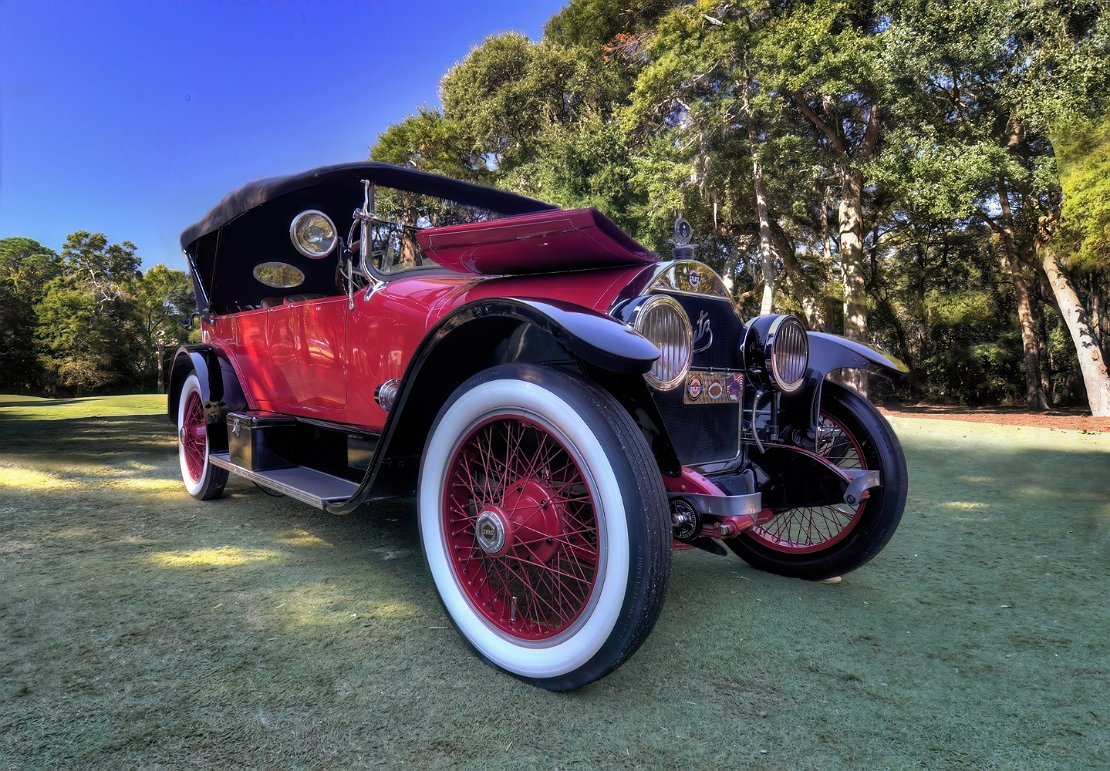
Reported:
(203, 480)
(544, 524)
(816, 543)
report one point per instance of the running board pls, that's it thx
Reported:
(303, 484)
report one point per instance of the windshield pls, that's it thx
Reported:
(398, 215)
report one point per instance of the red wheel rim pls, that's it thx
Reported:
(521, 529)
(810, 529)
(194, 436)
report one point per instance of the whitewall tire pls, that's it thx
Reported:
(544, 524)
(201, 478)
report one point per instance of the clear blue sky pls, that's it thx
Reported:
(134, 118)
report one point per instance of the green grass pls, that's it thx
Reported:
(139, 627)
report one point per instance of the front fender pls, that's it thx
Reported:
(597, 339)
(478, 335)
(829, 353)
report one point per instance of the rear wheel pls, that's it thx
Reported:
(822, 542)
(544, 524)
(203, 480)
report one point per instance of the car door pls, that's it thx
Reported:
(320, 379)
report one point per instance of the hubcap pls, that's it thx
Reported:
(491, 531)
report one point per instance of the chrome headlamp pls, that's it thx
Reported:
(313, 234)
(777, 347)
(662, 320)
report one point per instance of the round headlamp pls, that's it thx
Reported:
(662, 320)
(788, 353)
(313, 234)
(776, 351)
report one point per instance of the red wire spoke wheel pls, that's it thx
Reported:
(544, 524)
(815, 543)
(201, 478)
(811, 529)
(523, 533)
(194, 437)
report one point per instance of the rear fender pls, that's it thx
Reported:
(219, 386)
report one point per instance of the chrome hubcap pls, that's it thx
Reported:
(490, 532)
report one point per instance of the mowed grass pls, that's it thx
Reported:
(143, 628)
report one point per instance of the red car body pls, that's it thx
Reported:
(564, 405)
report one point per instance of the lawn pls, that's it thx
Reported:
(139, 627)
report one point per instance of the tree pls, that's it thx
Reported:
(827, 55)
(1062, 83)
(26, 266)
(84, 318)
(1078, 235)
(430, 141)
(930, 128)
(162, 302)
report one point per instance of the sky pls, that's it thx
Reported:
(134, 118)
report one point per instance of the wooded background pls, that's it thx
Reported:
(932, 177)
(929, 176)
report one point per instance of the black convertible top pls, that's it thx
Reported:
(257, 193)
(251, 226)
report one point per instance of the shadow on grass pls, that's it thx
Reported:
(84, 438)
(143, 627)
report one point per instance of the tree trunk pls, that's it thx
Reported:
(851, 215)
(761, 212)
(1035, 396)
(1091, 363)
(851, 263)
(805, 289)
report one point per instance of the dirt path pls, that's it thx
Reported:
(1065, 420)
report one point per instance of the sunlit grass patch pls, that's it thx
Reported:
(996, 439)
(966, 505)
(305, 539)
(22, 478)
(222, 557)
(149, 484)
(34, 408)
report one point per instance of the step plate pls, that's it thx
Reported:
(303, 484)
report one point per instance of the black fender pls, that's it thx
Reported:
(219, 385)
(592, 337)
(829, 353)
(496, 331)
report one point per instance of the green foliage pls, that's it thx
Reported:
(432, 142)
(86, 320)
(936, 111)
(1083, 157)
(26, 267)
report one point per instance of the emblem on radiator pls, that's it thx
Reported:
(693, 387)
(702, 330)
(707, 386)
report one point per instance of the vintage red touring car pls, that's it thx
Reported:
(565, 406)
